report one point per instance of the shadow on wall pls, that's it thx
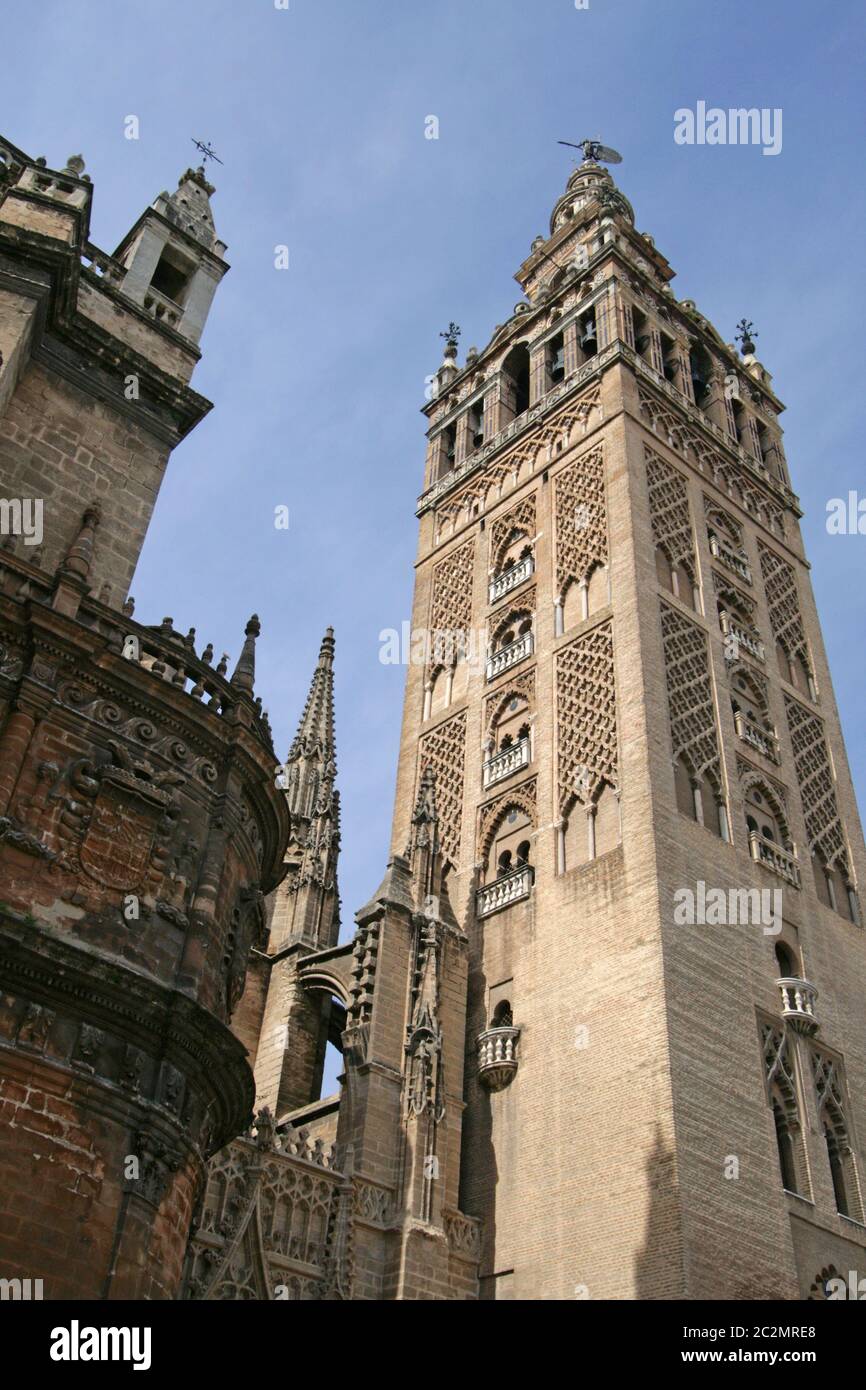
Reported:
(657, 1273)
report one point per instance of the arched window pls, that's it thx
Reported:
(788, 966)
(785, 1146)
(837, 1171)
(515, 370)
(502, 1015)
(590, 829)
(701, 372)
(510, 848)
(765, 818)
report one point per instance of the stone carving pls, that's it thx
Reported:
(690, 696)
(581, 518)
(464, 1234)
(824, 828)
(518, 521)
(373, 1204)
(424, 1090)
(443, 750)
(520, 686)
(555, 429)
(523, 797)
(670, 513)
(780, 586)
(586, 717)
(730, 477)
(778, 1068)
(451, 605)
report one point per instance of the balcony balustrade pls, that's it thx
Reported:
(509, 656)
(511, 759)
(798, 1004)
(504, 891)
(497, 1057)
(509, 579)
(727, 556)
(742, 636)
(756, 737)
(773, 857)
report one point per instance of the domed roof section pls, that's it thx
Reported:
(589, 181)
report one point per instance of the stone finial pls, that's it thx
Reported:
(79, 556)
(245, 671)
(74, 166)
(207, 654)
(129, 607)
(223, 664)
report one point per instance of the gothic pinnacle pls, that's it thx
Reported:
(245, 671)
(79, 556)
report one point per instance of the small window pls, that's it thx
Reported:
(476, 424)
(172, 276)
(556, 359)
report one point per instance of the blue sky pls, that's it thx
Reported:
(317, 373)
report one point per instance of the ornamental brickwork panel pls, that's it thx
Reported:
(690, 695)
(581, 518)
(444, 750)
(670, 513)
(586, 717)
(817, 785)
(520, 520)
(780, 585)
(451, 606)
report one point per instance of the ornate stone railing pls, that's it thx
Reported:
(504, 891)
(742, 636)
(757, 738)
(727, 556)
(523, 424)
(696, 416)
(106, 267)
(798, 1003)
(773, 857)
(161, 308)
(497, 1057)
(509, 579)
(509, 656)
(510, 760)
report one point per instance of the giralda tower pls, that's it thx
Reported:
(643, 798)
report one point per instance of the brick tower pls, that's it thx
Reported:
(601, 1022)
(139, 821)
(648, 828)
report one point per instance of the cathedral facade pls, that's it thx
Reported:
(601, 1022)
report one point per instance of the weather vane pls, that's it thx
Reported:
(207, 150)
(451, 334)
(746, 336)
(594, 150)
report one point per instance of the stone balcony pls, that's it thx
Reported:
(745, 638)
(510, 760)
(779, 861)
(497, 1057)
(798, 1004)
(511, 578)
(504, 891)
(763, 742)
(727, 556)
(161, 308)
(509, 656)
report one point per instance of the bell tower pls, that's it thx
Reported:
(646, 819)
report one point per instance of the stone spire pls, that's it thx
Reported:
(245, 672)
(312, 757)
(189, 207)
(308, 903)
